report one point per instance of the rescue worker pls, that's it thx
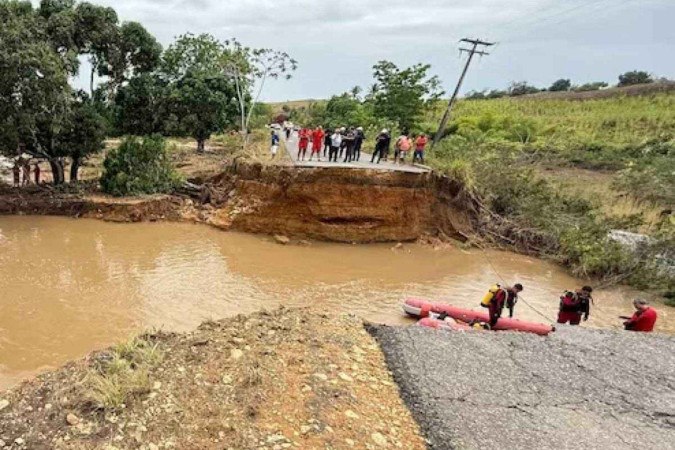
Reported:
(508, 297)
(317, 142)
(382, 143)
(358, 143)
(303, 143)
(644, 318)
(574, 305)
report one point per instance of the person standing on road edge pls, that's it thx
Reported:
(326, 142)
(575, 304)
(420, 146)
(335, 143)
(303, 143)
(382, 143)
(317, 142)
(358, 143)
(644, 318)
(26, 173)
(508, 297)
(402, 148)
(348, 141)
(274, 147)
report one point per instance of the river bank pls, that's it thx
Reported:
(272, 380)
(330, 204)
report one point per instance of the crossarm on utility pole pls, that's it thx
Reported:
(446, 116)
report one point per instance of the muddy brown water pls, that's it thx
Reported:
(70, 286)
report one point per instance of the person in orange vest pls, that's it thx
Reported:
(574, 305)
(644, 318)
(303, 143)
(317, 143)
(508, 297)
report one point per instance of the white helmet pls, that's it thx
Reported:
(385, 131)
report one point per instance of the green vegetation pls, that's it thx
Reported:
(512, 152)
(40, 51)
(139, 166)
(121, 374)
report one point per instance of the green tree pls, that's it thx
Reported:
(517, 88)
(250, 69)
(563, 84)
(635, 77)
(138, 166)
(201, 98)
(140, 106)
(39, 53)
(402, 94)
(82, 135)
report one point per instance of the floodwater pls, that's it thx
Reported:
(70, 286)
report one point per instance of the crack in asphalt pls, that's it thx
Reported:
(577, 388)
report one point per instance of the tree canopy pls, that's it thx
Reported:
(400, 95)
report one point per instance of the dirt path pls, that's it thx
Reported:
(287, 379)
(577, 388)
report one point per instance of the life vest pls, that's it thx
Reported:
(570, 302)
(487, 299)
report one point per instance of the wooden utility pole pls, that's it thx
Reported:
(474, 50)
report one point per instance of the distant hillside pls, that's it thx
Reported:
(277, 107)
(636, 90)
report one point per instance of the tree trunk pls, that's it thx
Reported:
(91, 80)
(200, 145)
(74, 168)
(57, 171)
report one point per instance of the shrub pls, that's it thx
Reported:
(138, 166)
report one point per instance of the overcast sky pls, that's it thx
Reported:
(337, 42)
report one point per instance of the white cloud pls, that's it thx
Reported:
(337, 42)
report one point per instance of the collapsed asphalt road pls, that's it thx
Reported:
(577, 388)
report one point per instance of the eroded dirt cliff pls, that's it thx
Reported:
(315, 203)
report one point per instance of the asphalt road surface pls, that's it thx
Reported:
(363, 163)
(575, 389)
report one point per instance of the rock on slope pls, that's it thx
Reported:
(287, 379)
(577, 388)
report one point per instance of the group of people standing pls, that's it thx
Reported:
(22, 170)
(574, 307)
(346, 144)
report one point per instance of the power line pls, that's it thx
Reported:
(477, 48)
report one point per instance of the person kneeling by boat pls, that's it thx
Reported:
(644, 318)
(499, 297)
(574, 305)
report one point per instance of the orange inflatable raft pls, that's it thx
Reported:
(425, 310)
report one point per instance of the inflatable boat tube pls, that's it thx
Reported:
(422, 309)
(430, 322)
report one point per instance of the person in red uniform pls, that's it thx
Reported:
(644, 318)
(303, 142)
(503, 297)
(574, 305)
(317, 142)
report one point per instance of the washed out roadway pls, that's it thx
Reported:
(577, 388)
